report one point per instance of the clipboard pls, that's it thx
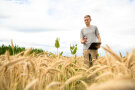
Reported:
(94, 45)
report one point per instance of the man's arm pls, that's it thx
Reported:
(83, 40)
(98, 35)
(99, 38)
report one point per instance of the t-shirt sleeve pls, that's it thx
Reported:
(96, 31)
(81, 34)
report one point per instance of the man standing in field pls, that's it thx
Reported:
(88, 35)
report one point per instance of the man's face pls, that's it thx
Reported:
(87, 20)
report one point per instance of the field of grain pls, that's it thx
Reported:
(26, 71)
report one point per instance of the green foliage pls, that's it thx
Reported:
(61, 53)
(73, 49)
(57, 44)
(17, 49)
(36, 51)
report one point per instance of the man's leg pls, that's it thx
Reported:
(86, 58)
(94, 54)
(90, 59)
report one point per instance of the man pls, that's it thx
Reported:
(88, 35)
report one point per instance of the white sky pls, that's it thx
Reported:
(37, 23)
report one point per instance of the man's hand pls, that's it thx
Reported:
(83, 40)
(98, 46)
(99, 40)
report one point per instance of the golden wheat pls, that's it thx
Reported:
(52, 84)
(93, 67)
(99, 69)
(84, 83)
(31, 84)
(114, 85)
(12, 46)
(113, 54)
(72, 79)
(7, 55)
(43, 72)
(104, 75)
(27, 51)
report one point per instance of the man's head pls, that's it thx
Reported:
(87, 19)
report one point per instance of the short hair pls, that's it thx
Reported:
(87, 16)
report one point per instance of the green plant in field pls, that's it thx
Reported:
(73, 50)
(61, 53)
(57, 44)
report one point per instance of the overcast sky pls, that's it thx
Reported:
(37, 23)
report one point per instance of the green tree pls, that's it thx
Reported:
(17, 49)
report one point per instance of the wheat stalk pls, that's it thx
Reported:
(12, 63)
(52, 84)
(28, 86)
(114, 85)
(53, 69)
(58, 63)
(105, 75)
(44, 64)
(33, 66)
(99, 69)
(7, 55)
(72, 79)
(12, 45)
(130, 58)
(113, 54)
(82, 69)
(17, 55)
(93, 67)
(27, 51)
(124, 68)
(84, 83)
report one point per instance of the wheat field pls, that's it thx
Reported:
(26, 71)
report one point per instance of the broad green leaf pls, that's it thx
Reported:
(73, 49)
